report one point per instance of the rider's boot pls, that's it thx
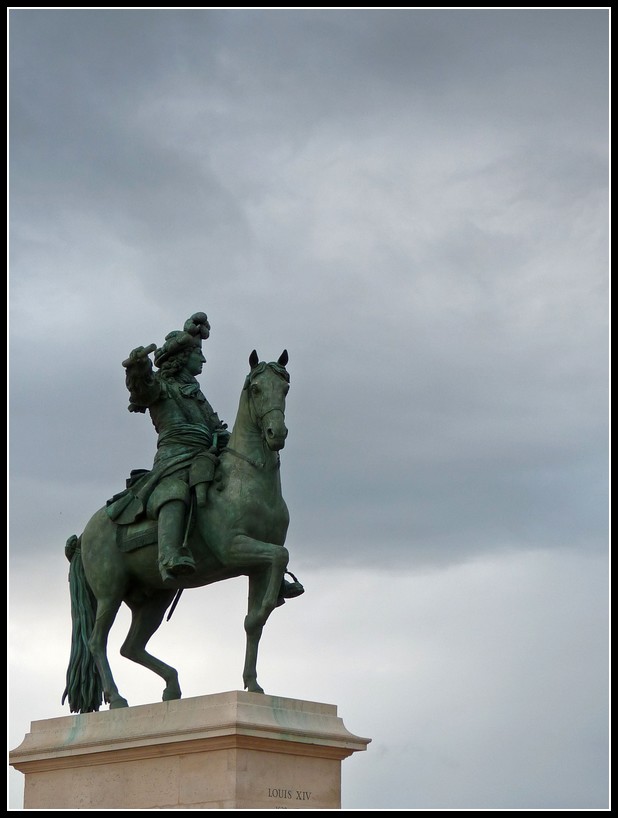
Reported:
(174, 558)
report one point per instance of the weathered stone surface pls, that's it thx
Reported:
(234, 750)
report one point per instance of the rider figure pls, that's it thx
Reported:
(190, 435)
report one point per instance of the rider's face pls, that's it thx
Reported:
(196, 362)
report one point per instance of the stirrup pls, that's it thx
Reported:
(177, 566)
(289, 590)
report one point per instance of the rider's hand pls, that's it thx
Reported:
(139, 356)
(223, 437)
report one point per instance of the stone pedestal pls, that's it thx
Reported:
(231, 750)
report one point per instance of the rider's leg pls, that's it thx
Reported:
(174, 558)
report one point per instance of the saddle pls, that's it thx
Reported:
(131, 536)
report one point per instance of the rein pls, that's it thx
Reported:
(249, 459)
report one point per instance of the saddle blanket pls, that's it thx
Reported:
(136, 535)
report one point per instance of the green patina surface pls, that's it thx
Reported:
(210, 508)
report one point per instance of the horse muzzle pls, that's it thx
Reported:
(275, 440)
(275, 433)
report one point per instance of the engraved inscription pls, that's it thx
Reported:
(294, 795)
(278, 792)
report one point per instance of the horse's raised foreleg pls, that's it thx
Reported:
(106, 613)
(148, 614)
(268, 562)
(254, 555)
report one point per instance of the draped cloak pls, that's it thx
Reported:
(185, 423)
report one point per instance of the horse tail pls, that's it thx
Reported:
(84, 688)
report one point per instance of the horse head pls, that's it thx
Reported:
(267, 385)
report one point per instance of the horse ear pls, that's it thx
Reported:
(253, 359)
(283, 358)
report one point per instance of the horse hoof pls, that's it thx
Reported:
(117, 703)
(171, 695)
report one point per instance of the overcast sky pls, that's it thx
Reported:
(415, 204)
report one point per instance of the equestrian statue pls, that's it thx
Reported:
(209, 509)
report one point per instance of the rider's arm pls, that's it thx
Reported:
(215, 424)
(144, 388)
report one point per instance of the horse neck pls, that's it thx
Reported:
(246, 437)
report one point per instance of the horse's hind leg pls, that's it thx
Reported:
(148, 614)
(106, 613)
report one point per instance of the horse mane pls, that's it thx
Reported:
(257, 370)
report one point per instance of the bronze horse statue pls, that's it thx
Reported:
(240, 530)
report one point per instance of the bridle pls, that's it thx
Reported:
(258, 418)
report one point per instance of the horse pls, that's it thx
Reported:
(239, 530)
